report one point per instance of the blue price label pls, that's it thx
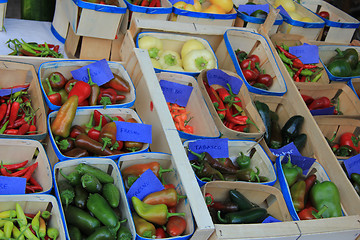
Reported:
(100, 72)
(176, 92)
(137, 132)
(287, 149)
(217, 147)
(249, 8)
(12, 185)
(307, 53)
(217, 76)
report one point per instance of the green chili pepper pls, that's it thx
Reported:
(35, 223)
(91, 183)
(291, 172)
(98, 206)
(73, 178)
(284, 58)
(8, 227)
(20, 215)
(291, 72)
(17, 234)
(53, 233)
(243, 161)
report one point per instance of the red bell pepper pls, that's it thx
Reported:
(3, 110)
(81, 89)
(307, 99)
(349, 139)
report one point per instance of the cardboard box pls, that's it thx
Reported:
(259, 159)
(82, 117)
(198, 112)
(32, 151)
(251, 43)
(340, 26)
(106, 165)
(354, 84)
(310, 30)
(60, 23)
(255, 132)
(33, 204)
(15, 73)
(165, 161)
(3, 5)
(66, 66)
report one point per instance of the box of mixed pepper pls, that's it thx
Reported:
(22, 111)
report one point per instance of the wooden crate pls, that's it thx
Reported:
(166, 162)
(106, 165)
(310, 30)
(265, 196)
(354, 84)
(260, 159)
(84, 18)
(201, 119)
(251, 43)
(349, 103)
(326, 52)
(29, 148)
(33, 204)
(243, 20)
(60, 23)
(249, 109)
(339, 125)
(341, 26)
(66, 66)
(82, 117)
(285, 109)
(296, 40)
(16, 73)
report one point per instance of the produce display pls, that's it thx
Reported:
(347, 146)
(298, 71)
(17, 116)
(90, 200)
(344, 63)
(22, 48)
(236, 210)
(155, 216)
(209, 169)
(193, 56)
(312, 199)
(16, 224)
(251, 70)
(321, 103)
(96, 138)
(58, 89)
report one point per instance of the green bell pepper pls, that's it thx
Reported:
(339, 68)
(291, 172)
(326, 193)
(350, 55)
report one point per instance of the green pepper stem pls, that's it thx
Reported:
(175, 214)
(89, 125)
(221, 220)
(199, 156)
(90, 81)
(318, 214)
(181, 196)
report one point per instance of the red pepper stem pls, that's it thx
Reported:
(51, 91)
(90, 81)
(252, 123)
(89, 125)
(318, 214)
(98, 127)
(198, 155)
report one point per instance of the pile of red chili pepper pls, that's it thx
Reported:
(321, 103)
(24, 171)
(312, 199)
(15, 225)
(95, 138)
(299, 71)
(250, 67)
(146, 3)
(209, 169)
(180, 117)
(155, 216)
(58, 89)
(17, 117)
(347, 145)
(229, 108)
(22, 48)
(105, 2)
(237, 209)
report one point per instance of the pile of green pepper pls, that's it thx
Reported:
(344, 63)
(312, 199)
(90, 200)
(237, 210)
(277, 137)
(209, 169)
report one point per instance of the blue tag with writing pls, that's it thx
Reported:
(186, 1)
(250, 8)
(12, 185)
(137, 132)
(143, 186)
(176, 92)
(324, 111)
(9, 91)
(216, 147)
(270, 219)
(217, 76)
(307, 53)
(287, 149)
(304, 162)
(100, 72)
(352, 165)
(283, 11)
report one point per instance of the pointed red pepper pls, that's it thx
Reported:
(97, 116)
(81, 89)
(54, 97)
(94, 132)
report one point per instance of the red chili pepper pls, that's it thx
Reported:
(160, 232)
(152, 3)
(309, 66)
(11, 131)
(247, 64)
(241, 128)
(136, 2)
(15, 166)
(169, 186)
(287, 54)
(20, 172)
(34, 182)
(81, 89)
(30, 171)
(23, 129)
(84, 103)
(3, 111)
(76, 130)
(4, 171)
(175, 226)
(94, 132)
(307, 99)
(32, 130)
(7, 114)
(309, 182)
(33, 188)
(297, 63)
(56, 48)
(320, 103)
(157, 3)
(19, 122)
(98, 116)
(13, 113)
(29, 215)
(224, 95)
(209, 199)
(118, 83)
(213, 98)
(54, 97)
